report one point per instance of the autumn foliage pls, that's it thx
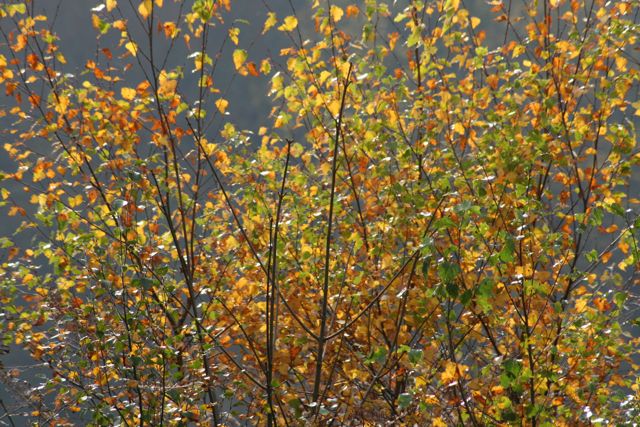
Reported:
(439, 227)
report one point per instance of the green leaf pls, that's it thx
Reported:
(466, 297)
(404, 400)
(597, 215)
(425, 266)
(119, 204)
(592, 256)
(5, 243)
(620, 298)
(616, 209)
(452, 289)
(484, 292)
(415, 356)
(444, 223)
(534, 411)
(508, 252)
(447, 271)
(378, 355)
(414, 38)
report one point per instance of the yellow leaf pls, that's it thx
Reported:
(159, 3)
(231, 242)
(290, 23)
(336, 13)
(13, 211)
(132, 48)
(95, 21)
(517, 51)
(128, 93)
(111, 4)
(475, 22)
(450, 372)
(452, 5)
(554, 3)
(198, 62)
(265, 66)
(438, 422)
(166, 85)
(233, 35)
(62, 104)
(344, 68)
(75, 201)
(497, 389)
(393, 39)
(458, 128)
(270, 22)
(324, 75)
(239, 57)
(222, 105)
(145, 8)
(334, 107)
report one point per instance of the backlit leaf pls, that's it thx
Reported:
(336, 13)
(239, 58)
(128, 93)
(131, 47)
(145, 8)
(222, 105)
(269, 22)
(290, 24)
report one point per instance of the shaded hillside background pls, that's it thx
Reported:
(249, 106)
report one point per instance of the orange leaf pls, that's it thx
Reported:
(252, 69)
(352, 10)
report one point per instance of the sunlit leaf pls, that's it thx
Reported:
(145, 8)
(336, 13)
(131, 47)
(128, 93)
(290, 23)
(221, 105)
(239, 58)
(269, 22)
